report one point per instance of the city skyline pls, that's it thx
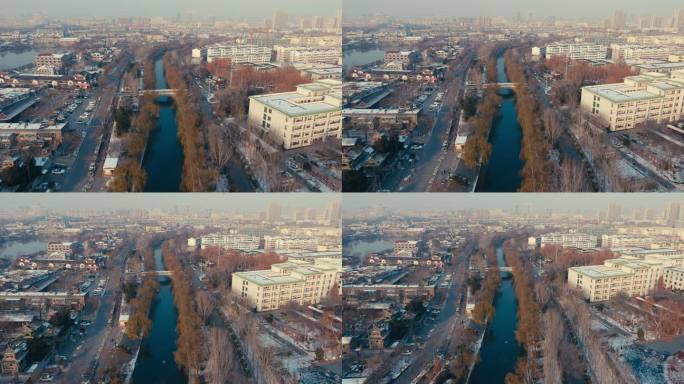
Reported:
(565, 202)
(116, 201)
(540, 8)
(171, 8)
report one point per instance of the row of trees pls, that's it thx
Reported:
(189, 354)
(527, 333)
(129, 176)
(478, 148)
(228, 261)
(197, 177)
(484, 308)
(139, 324)
(536, 172)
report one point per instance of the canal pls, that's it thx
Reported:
(359, 248)
(155, 362)
(499, 351)
(502, 172)
(163, 160)
(358, 57)
(16, 59)
(12, 249)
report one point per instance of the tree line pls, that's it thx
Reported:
(138, 324)
(190, 343)
(528, 331)
(478, 148)
(536, 172)
(197, 177)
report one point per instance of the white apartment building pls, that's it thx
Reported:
(238, 54)
(289, 242)
(297, 281)
(624, 52)
(298, 119)
(650, 96)
(674, 278)
(405, 247)
(624, 241)
(633, 276)
(231, 241)
(285, 54)
(577, 51)
(65, 248)
(569, 240)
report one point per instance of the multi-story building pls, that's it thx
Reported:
(631, 275)
(405, 247)
(284, 54)
(624, 52)
(405, 58)
(55, 60)
(577, 51)
(65, 248)
(647, 97)
(296, 281)
(569, 240)
(673, 278)
(666, 68)
(300, 118)
(231, 241)
(238, 54)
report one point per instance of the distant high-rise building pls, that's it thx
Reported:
(274, 212)
(613, 212)
(619, 20)
(280, 20)
(679, 18)
(638, 213)
(673, 213)
(334, 212)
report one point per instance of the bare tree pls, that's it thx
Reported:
(221, 361)
(219, 148)
(553, 328)
(552, 125)
(205, 305)
(572, 176)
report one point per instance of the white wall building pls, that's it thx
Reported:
(231, 241)
(577, 51)
(239, 54)
(569, 240)
(293, 281)
(298, 119)
(650, 96)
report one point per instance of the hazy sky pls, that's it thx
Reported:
(568, 9)
(555, 201)
(221, 9)
(220, 201)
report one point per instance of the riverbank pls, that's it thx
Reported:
(163, 157)
(502, 172)
(499, 350)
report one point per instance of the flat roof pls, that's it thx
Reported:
(599, 271)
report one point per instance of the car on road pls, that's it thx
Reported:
(91, 168)
(46, 378)
(58, 171)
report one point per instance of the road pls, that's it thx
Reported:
(418, 177)
(78, 175)
(238, 179)
(449, 317)
(83, 352)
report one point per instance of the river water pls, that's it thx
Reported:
(15, 248)
(163, 161)
(502, 173)
(500, 350)
(156, 363)
(356, 57)
(358, 249)
(13, 59)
